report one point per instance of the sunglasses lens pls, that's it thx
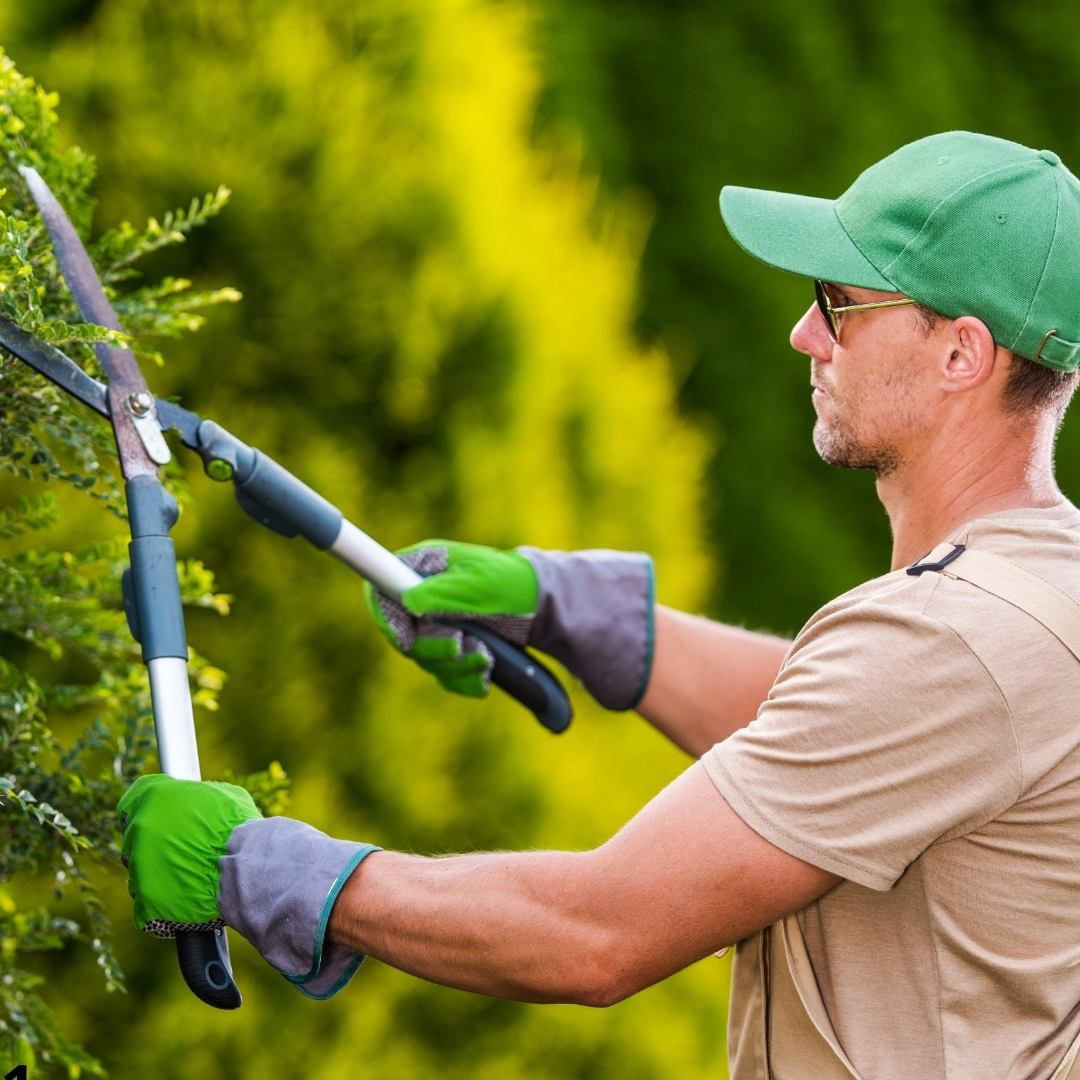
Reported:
(825, 307)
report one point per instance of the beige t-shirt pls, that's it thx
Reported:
(923, 741)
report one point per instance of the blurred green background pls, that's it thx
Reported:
(487, 294)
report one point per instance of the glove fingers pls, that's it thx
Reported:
(393, 619)
(496, 588)
(395, 623)
(468, 674)
(437, 643)
(471, 580)
(176, 832)
(371, 599)
(474, 685)
(465, 665)
(514, 628)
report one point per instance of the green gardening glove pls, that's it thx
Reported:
(175, 831)
(498, 589)
(201, 856)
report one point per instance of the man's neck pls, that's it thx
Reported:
(955, 480)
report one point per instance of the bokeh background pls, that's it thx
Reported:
(488, 295)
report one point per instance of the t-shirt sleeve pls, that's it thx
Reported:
(882, 735)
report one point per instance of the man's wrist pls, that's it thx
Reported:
(595, 616)
(279, 882)
(351, 918)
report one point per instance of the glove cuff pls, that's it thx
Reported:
(595, 616)
(279, 881)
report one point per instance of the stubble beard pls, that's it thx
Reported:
(839, 443)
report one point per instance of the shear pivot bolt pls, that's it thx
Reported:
(140, 404)
(217, 469)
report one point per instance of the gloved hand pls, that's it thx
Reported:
(590, 610)
(200, 855)
(495, 588)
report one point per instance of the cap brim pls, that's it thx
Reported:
(798, 234)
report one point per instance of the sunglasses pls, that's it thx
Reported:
(832, 314)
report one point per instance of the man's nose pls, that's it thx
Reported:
(811, 335)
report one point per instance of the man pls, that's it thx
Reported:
(885, 817)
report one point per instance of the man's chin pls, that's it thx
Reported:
(837, 448)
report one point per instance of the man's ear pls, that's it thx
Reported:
(969, 354)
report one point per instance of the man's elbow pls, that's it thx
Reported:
(604, 994)
(604, 976)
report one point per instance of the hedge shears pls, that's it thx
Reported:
(151, 590)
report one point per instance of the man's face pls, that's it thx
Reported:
(872, 391)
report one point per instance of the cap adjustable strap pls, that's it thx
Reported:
(1057, 353)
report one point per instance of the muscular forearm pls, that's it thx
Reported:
(707, 679)
(685, 877)
(513, 925)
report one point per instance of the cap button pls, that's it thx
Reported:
(1050, 156)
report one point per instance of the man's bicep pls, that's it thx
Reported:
(883, 733)
(687, 876)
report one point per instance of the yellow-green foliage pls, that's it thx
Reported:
(436, 332)
(59, 611)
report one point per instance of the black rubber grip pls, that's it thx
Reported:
(206, 967)
(523, 677)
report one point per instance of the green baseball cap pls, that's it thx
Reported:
(964, 223)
